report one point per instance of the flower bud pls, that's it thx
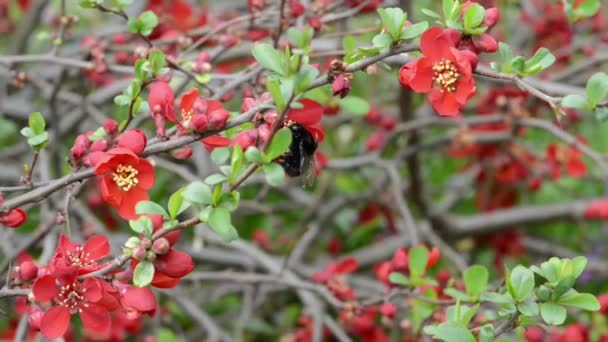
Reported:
(134, 140)
(246, 139)
(388, 310)
(110, 126)
(485, 43)
(78, 152)
(603, 299)
(203, 57)
(228, 40)
(100, 145)
(14, 218)
(388, 123)
(27, 271)
(138, 253)
(218, 118)
(146, 243)
(492, 16)
(182, 153)
(161, 246)
(35, 317)
(375, 141)
(150, 255)
(341, 86)
(199, 123)
(296, 9)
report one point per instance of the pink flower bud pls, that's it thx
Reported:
(182, 153)
(27, 271)
(218, 118)
(138, 253)
(492, 16)
(264, 132)
(100, 145)
(78, 152)
(485, 43)
(246, 139)
(133, 139)
(200, 106)
(388, 310)
(151, 256)
(375, 141)
(341, 86)
(146, 243)
(203, 57)
(228, 40)
(161, 246)
(199, 123)
(388, 123)
(110, 126)
(14, 218)
(35, 317)
(296, 9)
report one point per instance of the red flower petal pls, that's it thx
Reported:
(421, 80)
(162, 281)
(310, 114)
(45, 288)
(140, 299)
(444, 103)
(55, 322)
(436, 44)
(95, 318)
(175, 264)
(215, 141)
(97, 247)
(93, 292)
(146, 175)
(347, 265)
(187, 100)
(126, 209)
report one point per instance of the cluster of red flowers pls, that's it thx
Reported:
(399, 264)
(383, 125)
(333, 278)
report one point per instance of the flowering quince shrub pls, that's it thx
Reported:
(359, 170)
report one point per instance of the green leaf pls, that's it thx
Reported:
(552, 313)
(518, 64)
(393, 20)
(229, 200)
(279, 145)
(305, 77)
(165, 335)
(486, 333)
(122, 100)
(274, 88)
(456, 294)
(476, 279)
(398, 278)
(382, 40)
(215, 178)
(528, 308)
(542, 59)
(149, 207)
(237, 160)
(496, 297)
(521, 283)
(268, 57)
(275, 174)
(203, 215)
(563, 286)
(38, 141)
(597, 88)
(143, 273)
(415, 30)
(253, 155)
(36, 123)
(473, 17)
(578, 265)
(157, 61)
(448, 7)
(197, 192)
(451, 332)
(583, 301)
(430, 13)
(148, 22)
(300, 37)
(177, 203)
(220, 155)
(132, 242)
(220, 222)
(601, 113)
(506, 309)
(586, 9)
(143, 225)
(355, 105)
(417, 261)
(349, 44)
(550, 270)
(27, 132)
(574, 101)
(505, 51)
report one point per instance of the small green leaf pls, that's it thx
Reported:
(430, 13)
(220, 222)
(203, 215)
(496, 297)
(149, 207)
(574, 101)
(506, 309)
(148, 22)
(275, 174)
(550, 270)
(197, 192)
(382, 40)
(300, 37)
(36, 123)
(220, 155)
(274, 88)
(269, 57)
(451, 332)
(393, 20)
(143, 225)
(122, 100)
(456, 294)
(521, 283)
(473, 17)
(578, 266)
(349, 44)
(476, 279)
(279, 145)
(542, 59)
(253, 155)
(177, 203)
(563, 286)
(601, 113)
(597, 88)
(166, 335)
(132, 242)
(143, 273)
(486, 333)
(229, 200)
(448, 7)
(355, 105)
(528, 308)
(552, 313)
(157, 61)
(417, 260)
(398, 278)
(583, 301)
(415, 30)
(586, 9)
(215, 178)
(236, 161)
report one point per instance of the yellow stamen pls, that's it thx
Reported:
(446, 75)
(125, 177)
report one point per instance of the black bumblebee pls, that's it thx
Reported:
(300, 159)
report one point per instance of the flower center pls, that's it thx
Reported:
(186, 115)
(79, 258)
(445, 75)
(125, 177)
(72, 297)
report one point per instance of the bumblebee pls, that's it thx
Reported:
(299, 161)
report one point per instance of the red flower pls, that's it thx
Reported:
(562, 156)
(137, 301)
(597, 209)
(123, 179)
(81, 258)
(444, 72)
(331, 277)
(71, 297)
(309, 116)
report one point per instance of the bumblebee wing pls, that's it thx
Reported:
(307, 168)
